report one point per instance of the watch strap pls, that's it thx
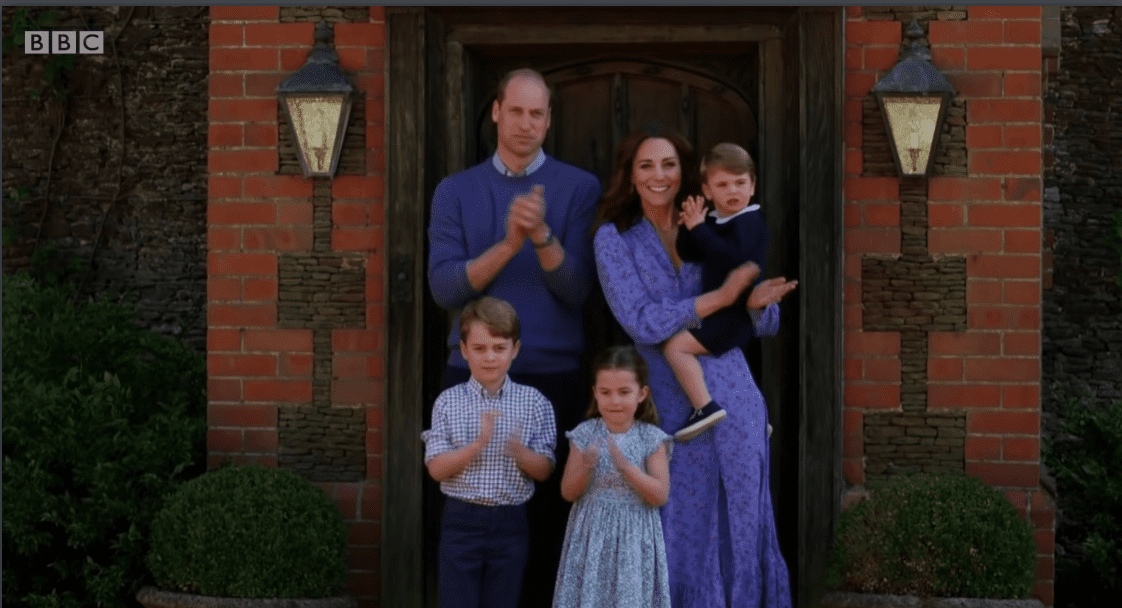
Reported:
(547, 242)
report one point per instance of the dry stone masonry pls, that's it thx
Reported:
(115, 168)
(913, 294)
(321, 290)
(1082, 342)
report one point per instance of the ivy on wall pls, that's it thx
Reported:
(1114, 240)
(58, 67)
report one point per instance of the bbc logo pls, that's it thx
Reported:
(64, 43)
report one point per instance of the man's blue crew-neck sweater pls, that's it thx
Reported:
(469, 211)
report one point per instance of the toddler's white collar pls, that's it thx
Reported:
(723, 220)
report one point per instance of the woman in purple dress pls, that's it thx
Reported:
(719, 527)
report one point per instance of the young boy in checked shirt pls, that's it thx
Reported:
(490, 440)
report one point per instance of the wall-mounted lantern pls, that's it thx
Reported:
(913, 98)
(317, 103)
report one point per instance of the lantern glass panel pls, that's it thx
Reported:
(913, 121)
(316, 121)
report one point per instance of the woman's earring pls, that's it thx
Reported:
(633, 188)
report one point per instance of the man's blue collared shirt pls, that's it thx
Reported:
(536, 164)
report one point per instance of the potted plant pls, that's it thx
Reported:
(241, 532)
(932, 536)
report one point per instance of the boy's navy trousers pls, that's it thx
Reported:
(483, 553)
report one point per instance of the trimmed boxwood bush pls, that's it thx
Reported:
(250, 532)
(102, 421)
(934, 535)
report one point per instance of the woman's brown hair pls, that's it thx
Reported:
(624, 358)
(620, 203)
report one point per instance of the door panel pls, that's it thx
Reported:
(717, 61)
(599, 101)
(599, 97)
(588, 136)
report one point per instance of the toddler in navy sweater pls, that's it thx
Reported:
(731, 235)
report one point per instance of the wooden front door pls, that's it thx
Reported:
(612, 71)
(598, 99)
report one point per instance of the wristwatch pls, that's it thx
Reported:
(548, 239)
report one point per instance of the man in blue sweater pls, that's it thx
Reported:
(518, 227)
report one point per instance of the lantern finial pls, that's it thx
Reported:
(323, 33)
(915, 30)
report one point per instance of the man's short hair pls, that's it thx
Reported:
(532, 74)
(498, 316)
(729, 157)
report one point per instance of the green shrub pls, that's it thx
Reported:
(1086, 459)
(102, 420)
(935, 536)
(250, 532)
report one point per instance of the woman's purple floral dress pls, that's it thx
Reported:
(719, 526)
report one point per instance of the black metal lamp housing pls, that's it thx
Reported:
(317, 102)
(913, 98)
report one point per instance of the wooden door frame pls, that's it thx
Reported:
(418, 48)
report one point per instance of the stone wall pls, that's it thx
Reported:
(116, 172)
(1082, 344)
(1082, 303)
(322, 290)
(916, 295)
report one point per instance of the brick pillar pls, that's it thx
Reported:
(282, 374)
(984, 208)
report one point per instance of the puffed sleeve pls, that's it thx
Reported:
(648, 320)
(582, 435)
(654, 437)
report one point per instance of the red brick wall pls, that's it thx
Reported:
(254, 215)
(993, 218)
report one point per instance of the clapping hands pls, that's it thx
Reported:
(617, 456)
(486, 426)
(527, 215)
(588, 457)
(514, 446)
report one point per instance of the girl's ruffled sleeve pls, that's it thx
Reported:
(648, 320)
(656, 437)
(581, 436)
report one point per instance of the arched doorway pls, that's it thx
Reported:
(614, 71)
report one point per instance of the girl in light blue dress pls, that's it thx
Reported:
(618, 476)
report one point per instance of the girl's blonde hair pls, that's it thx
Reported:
(625, 358)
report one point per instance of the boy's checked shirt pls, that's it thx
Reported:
(492, 477)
